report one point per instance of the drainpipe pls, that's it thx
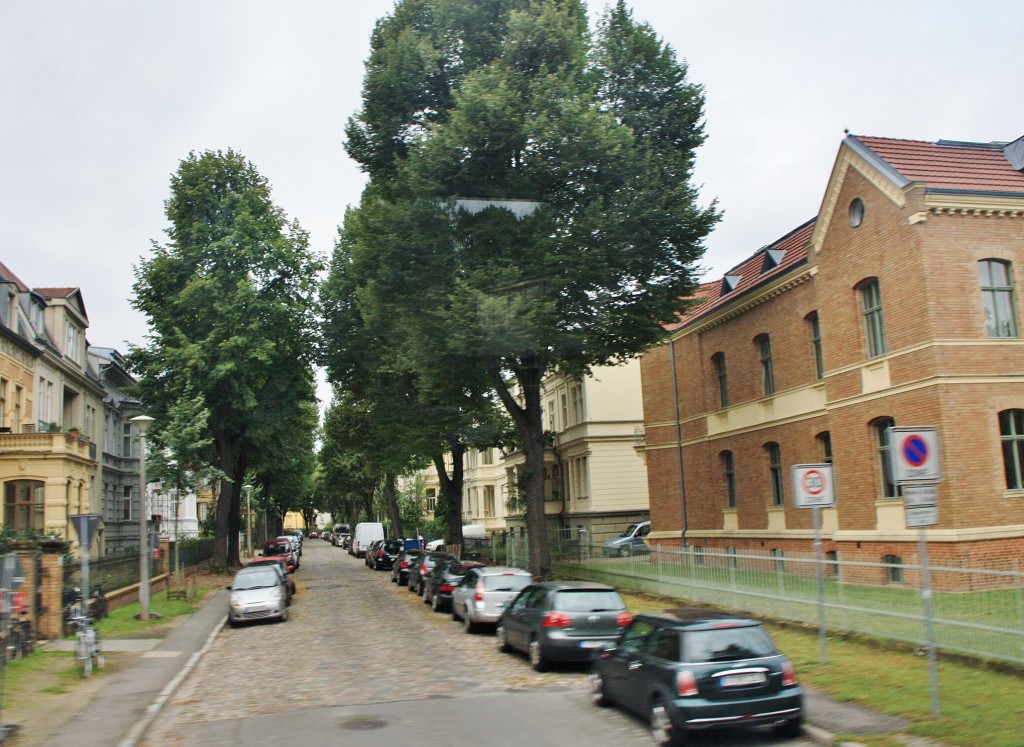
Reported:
(679, 438)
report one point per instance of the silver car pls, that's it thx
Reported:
(484, 592)
(257, 593)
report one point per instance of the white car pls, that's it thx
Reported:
(484, 592)
(257, 593)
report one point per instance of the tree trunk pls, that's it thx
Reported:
(391, 501)
(451, 490)
(528, 422)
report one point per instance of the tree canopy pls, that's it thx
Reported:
(530, 205)
(231, 304)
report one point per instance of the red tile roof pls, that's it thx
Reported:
(972, 167)
(750, 274)
(55, 292)
(6, 274)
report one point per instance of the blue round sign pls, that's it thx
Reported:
(915, 450)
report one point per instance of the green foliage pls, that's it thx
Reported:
(231, 303)
(529, 207)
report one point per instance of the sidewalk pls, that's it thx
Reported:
(122, 709)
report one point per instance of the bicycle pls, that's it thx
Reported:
(88, 651)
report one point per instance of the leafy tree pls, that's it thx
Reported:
(230, 300)
(541, 183)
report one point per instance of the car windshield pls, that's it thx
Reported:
(507, 582)
(258, 580)
(728, 644)
(588, 600)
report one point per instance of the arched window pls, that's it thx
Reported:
(881, 427)
(815, 329)
(764, 348)
(824, 440)
(729, 471)
(718, 361)
(997, 297)
(893, 568)
(775, 472)
(1011, 432)
(871, 306)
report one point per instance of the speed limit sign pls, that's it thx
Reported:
(812, 486)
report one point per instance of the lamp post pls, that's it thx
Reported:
(248, 519)
(142, 423)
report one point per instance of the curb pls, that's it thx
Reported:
(825, 738)
(153, 709)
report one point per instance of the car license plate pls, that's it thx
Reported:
(739, 680)
(591, 644)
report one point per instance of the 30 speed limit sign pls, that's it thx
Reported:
(813, 486)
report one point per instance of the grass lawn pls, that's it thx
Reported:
(980, 707)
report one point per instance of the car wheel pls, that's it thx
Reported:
(284, 615)
(790, 729)
(420, 590)
(425, 599)
(435, 603)
(537, 659)
(624, 552)
(662, 731)
(598, 695)
(469, 625)
(499, 637)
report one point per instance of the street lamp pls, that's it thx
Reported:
(142, 423)
(248, 519)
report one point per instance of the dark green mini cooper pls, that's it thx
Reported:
(694, 669)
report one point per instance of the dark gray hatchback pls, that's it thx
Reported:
(562, 621)
(694, 669)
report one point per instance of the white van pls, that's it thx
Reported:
(366, 532)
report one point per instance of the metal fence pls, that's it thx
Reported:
(977, 612)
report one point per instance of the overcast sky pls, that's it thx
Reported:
(103, 99)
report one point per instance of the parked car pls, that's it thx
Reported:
(295, 541)
(365, 533)
(442, 580)
(562, 621)
(693, 669)
(314, 535)
(257, 594)
(483, 593)
(370, 548)
(400, 568)
(425, 564)
(630, 542)
(382, 553)
(281, 565)
(281, 548)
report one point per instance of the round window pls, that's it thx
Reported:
(856, 212)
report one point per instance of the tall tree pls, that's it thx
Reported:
(546, 196)
(230, 300)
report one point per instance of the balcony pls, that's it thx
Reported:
(60, 444)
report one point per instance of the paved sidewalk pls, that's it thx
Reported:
(124, 707)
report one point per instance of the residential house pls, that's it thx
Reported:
(895, 306)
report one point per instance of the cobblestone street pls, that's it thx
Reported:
(353, 638)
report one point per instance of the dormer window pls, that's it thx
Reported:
(729, 283)
(73, 342)
(772, 259)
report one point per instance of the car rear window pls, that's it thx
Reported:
(393, 545)
(727, 644)
(509, 582)
(588, 600)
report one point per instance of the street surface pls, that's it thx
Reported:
(364, 662)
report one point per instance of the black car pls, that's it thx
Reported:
(400, 568)
(562, 621)
(381, 555)
(424, 564)
(442, 579)
(694, 669)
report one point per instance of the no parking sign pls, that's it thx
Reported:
(812, 486)
(914, 454)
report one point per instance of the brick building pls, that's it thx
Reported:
(895, 305)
